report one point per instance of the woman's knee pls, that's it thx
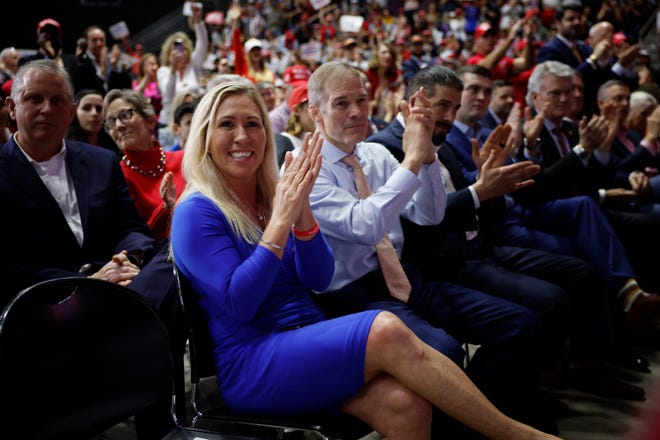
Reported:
(388, 330)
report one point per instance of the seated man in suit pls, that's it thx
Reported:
(573, 225)
(591, 60)
(68, 211)
(635, 157)
(461, 250)
(575, 161)
(355, 222)
(501, 104)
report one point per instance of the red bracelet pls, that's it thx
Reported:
(307, 233)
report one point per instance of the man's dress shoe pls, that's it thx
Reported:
(645, 306)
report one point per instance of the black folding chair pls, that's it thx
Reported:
(77, 356)
(214, 414)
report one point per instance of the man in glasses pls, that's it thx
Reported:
(69, 212)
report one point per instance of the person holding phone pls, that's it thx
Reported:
(181, 63)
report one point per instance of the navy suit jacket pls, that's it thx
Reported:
(461, 145)
(446, 240)
(625, 161)
(37, 243)
(488, 121)
(556, 50)
(593, 76)
(567, 176)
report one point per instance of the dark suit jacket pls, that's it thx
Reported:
(83, 73)
(445, 241)
(567, 176)
(462, 148)
(556, 50)
(488, 121)
(37, 243)
(592, 76)
(625, 161)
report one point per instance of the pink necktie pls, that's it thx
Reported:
(395, 277)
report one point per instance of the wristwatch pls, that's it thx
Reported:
(581, 152)
(529, 147)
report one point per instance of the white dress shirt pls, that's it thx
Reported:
(55, 175)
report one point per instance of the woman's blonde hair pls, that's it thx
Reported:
(168, 44)
(203, 177)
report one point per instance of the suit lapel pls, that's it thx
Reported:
(571, 131)
(25, 179)
(548, 148)
(80, 170)
(448, 159)
(462, 147)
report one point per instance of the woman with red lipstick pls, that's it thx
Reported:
(153, 175)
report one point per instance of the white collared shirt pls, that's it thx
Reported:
(54, 174)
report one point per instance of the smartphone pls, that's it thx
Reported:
(187, 7)
(178, 45)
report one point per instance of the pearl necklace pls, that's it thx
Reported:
(150, 173)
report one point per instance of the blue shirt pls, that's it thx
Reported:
(352, 225)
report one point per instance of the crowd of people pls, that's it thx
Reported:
(438, 174)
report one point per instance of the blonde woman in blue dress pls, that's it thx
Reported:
(251, 248)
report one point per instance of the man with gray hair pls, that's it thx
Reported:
(69, 213)
(593, 58)
(642, 106)
(575, 161)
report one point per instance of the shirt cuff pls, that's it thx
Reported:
(475, 199)
(583, 154)
(603, 157)
(601, 196)
(625, 72)
(651, 146)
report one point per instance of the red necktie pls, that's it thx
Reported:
(395, 277)
(559, 135)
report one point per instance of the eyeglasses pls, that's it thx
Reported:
(124, 116)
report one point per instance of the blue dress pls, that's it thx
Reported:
(250, 298)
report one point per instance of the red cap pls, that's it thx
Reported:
(531, 12)
(618, 38)
(482, 28)
(298, 96)
(48, 22)
(5, 89)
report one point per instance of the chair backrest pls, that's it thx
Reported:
(77, 356)
(202, 362)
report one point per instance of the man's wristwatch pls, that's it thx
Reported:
(581, 152)
(529, 147)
